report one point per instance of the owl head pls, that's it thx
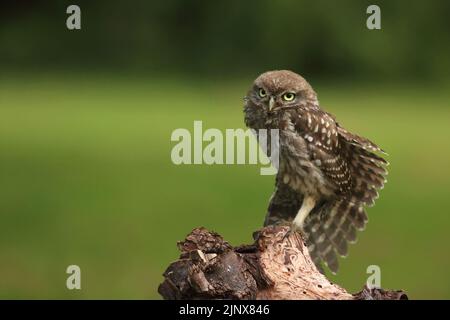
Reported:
(275, 91)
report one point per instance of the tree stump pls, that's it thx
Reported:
(275, 267)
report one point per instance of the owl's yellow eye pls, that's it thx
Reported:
(262, 93)
(289, 96)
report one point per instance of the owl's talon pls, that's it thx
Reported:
(293, 228)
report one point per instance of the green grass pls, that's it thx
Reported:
(86, 179)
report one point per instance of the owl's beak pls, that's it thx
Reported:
(271, 103)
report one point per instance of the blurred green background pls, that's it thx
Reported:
(86, 118)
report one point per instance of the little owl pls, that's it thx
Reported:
(326, 174)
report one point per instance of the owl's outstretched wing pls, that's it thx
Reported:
(368, 169)
(348, 161)
(330, 230)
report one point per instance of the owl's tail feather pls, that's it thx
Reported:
(329, 231)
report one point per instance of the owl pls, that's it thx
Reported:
(327, 175)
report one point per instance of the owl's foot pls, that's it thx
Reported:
(293, 228)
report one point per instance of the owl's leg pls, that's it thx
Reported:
(307, 205)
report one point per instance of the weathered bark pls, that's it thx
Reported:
(276, 266)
